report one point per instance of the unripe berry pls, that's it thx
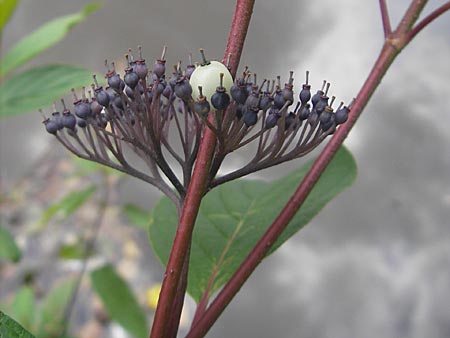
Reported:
(208, 77)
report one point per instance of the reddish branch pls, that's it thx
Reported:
(180, 248)
(403, 34)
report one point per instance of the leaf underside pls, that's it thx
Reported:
(234, 216)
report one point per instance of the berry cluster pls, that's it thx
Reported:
(136, 112)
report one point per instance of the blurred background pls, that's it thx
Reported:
(374, 263)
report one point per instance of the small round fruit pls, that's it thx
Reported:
(208, 77)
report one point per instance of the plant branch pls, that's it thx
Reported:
(385, 18)
(428, 19)
(282, 220)
(238, 32)
(383, 62)
(183, 236)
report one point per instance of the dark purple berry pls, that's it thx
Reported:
(102, 96)
(265, 102)
(82, 123)
(220, 99)
(183, 89)
(329, 124)
(304, 114)
(325, 116)
(118, 102)
(287, 93)
(202, 107)
(278, 99)
(305, 94)
(240, 110)
(131, 79)
(238, 93)
(141, 69)
(252, 100)
(167, 92)
(56, 117)
(271, 120)
(189, 70)
(96, 107)
(83, 109)
(159, 68)
(51, 126)
(114, 81)
(342, 115)
(250, 117)
(316, 97)
(129, 92)
(68, 120)
(321, 104)
(289, 120)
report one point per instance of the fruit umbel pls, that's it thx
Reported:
(143, 112)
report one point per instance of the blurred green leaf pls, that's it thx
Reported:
(23, 307)
(7, 8)
(233, 217)
(68, 204)
(119, 301)
(8, 247)
(53, 309)
(85, 167)
(137, 216)
(39, 87)
(9, 328)
(43, 38)
(73, 251)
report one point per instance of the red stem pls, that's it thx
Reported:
(280, 223)
(429, 18)
(385, 18)
(388, 53)
(173, 275)
(238, 32)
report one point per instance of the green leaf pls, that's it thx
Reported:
(234, 216)
(39, 87)
(85, 167)
(7, 8)
(8, 247)
(53, 309)
(9, 328)
(76, 250)
(119, 301)
(68, 204)
(43, 38)
(23, 306)
(137, 216)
